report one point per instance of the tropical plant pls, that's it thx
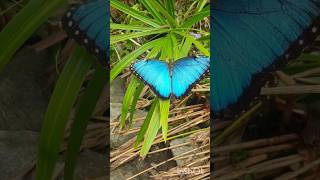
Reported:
(158, 30)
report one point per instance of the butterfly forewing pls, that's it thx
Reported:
(87, 24)
(186, 72)
(247, 46)
(156, 74)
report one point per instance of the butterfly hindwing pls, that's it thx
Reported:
(186, 72)
(156, 74)
(87, 24)
(250, 42)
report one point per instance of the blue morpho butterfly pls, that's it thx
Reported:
(88, 25)
(173, 79)
(250, 39)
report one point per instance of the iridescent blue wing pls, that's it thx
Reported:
(87, 24)
(156, 74)
(186, 72)
(250, 38)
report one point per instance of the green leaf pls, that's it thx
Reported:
(30, 18)
(200, 5)
(164, 113)
(170, 7)
(123, 37)
(86, 108)
(134, 13)
(184, 50)
(174, 46)
(127, 100)
(204, 38)
(166, 48)
(154, 52)
(130, 57)
(196, 18)
(145, 124)
(58, 112)
(152, 131)
(153, 11)
(135, 100)
(129, 27)
(201, 48)
(164, 12)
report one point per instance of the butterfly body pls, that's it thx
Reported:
(171, 79)
(87, 24)
(253, 38)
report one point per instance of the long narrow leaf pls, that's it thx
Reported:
(130, 27)
(125, 61)
(127, 100)
(196, 18)
(152, 131)
(123, 37)
(60, 105)
(164, 113)
(164, 12)
(174, 46)
(146, 123)
(134, 13)
(135, 101)
(184, 50)
(30, 18)
(170, 7)
(86, 108)
(153, 11)
(200, 5)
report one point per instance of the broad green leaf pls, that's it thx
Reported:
(130, 57)
(83, 113)
(134, 13)
(164, 113)
(146, 123)
(123, 37)
(128, 99)
(58, 112)
(30, 18)
(152, 131)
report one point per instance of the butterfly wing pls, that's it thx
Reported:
(253, 39)
(186, 72)
(87, 24)
(156, 74)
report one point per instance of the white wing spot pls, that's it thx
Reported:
(86, 40)
(77, 32)
(70, 23)
(287, 56)
(314, 29)
(69, 14)
(97, 50)
(301, 42)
